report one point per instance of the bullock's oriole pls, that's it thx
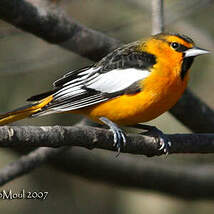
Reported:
(135, 83)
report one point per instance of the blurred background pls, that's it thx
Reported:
(29, 65)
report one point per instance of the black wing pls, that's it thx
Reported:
(116, 74)
(127, 56)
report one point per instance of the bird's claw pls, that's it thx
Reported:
(119, 135)
(164, 142)
(119, 139)
(161, 139)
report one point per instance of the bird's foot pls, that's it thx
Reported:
(119, 135)
(163, 140)
(159, 136)
(119, 139)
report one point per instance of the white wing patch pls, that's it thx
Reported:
(117, 80)
(76, 93)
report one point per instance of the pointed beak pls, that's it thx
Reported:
(195, 51)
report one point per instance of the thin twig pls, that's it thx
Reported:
(157, 16)
(173, 10)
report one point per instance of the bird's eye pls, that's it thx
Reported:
(175, 45)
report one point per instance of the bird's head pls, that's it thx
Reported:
(173, 49)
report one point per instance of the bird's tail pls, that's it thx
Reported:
(24, 112)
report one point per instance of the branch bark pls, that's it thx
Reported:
(91, 137)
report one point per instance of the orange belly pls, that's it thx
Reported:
(158, 96)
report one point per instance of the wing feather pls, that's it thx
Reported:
(94, 89)
(118, 73)
(72, 75)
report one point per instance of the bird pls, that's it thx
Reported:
(133, 84)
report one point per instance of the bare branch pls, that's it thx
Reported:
(193, 113)
(88, 137)
(51, 24)
(157, 16)
(27, 163)
(187, 181)
(192, 181)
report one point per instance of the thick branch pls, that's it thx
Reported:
(193, 113)
(192, 182)
(29, 136)
(51, 24)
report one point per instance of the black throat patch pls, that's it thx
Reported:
(187, 62)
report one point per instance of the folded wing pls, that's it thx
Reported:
(102, 81)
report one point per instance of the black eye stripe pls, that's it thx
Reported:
(180, 48)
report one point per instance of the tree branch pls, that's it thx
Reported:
(194, 113)
(27, 163)
(88, 137)
(187, 181)
(192, 181)
(51, 24)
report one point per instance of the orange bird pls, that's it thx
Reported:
(133, 84)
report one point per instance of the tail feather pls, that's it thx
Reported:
(41, 96)
(24, 112)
